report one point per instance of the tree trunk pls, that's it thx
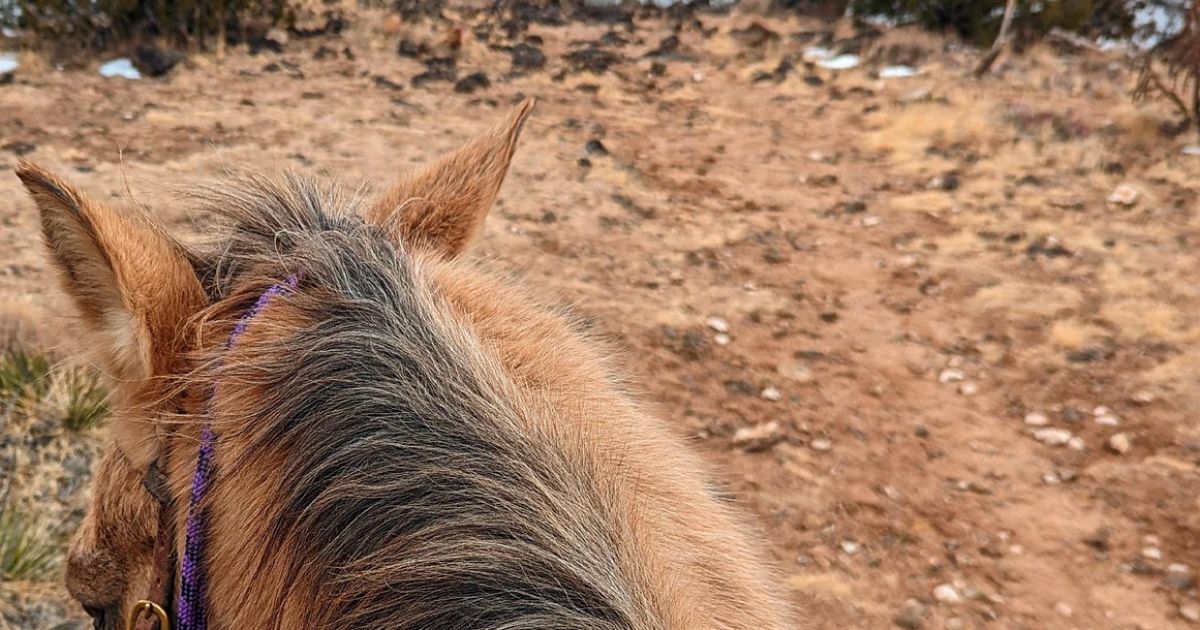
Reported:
(990, 57)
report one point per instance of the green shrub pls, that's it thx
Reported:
(84, 399)
(24, 376)
(25, 553)
(103, 24)
(977, 21)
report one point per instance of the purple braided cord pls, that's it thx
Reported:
(189, 607)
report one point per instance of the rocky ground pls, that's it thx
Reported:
(939, 332)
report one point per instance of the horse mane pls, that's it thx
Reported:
(407, 492)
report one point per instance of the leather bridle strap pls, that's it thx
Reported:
(162, 583)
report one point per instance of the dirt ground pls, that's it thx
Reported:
(919, 277)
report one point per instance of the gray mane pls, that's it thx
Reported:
(410, 494)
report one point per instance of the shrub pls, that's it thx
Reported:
(101, 24)
(1170, 67)
(23, 376)
(25, 553)
(84, 401)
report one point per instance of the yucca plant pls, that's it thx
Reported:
(84, 399)
(23, 376)
(25, 553)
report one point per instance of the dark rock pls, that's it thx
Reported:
(658, 69)
(754, 36)
(632, 206)
(155, 62)
(324, 52)
(437, 69)
(911, 618)
(387, 83)
(777, 75)
(19, 148)
(410, 48)
(1099, 539)
(595, 147)
(472, 82)
(691, 344)
(854, 206)
(668, 46)
(526, 56)
(814, 80)
(592, 59)
(7, 77)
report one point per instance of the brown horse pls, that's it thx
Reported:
(405, 440)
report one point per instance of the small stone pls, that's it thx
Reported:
(721, 339)
(1036, 419)
(1076, 443)
(595, 147)
(759, 436)
(1052, 437)
(1191, 149)
(1124, 195)
(1051, 479)
(1179, 577)
(849, 547)
(771, 393)
(912, 617)
(1064, 609)
(277, 38)
(968, 389)
(1191, 612)
(1142, 397)
(1151, 540)
(946, 594)
(718, 324)
(946, 182)
(1108, 420)
(1100, 410)
(951, 375)
(821, 445)
(472, 82)
(871, 221)
(1120, 443)
(1098, 539)
(955, 623)
(1152, 553)
(526, 56)
(915, 96)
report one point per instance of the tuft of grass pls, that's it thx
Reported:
(25, 553)
(23, 375)
(84, 399)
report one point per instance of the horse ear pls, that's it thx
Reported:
(132, 284)
(443, 206)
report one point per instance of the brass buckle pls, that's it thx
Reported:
(164, 623)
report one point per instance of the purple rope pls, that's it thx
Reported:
(189, 607)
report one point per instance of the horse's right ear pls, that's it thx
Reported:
(441, 207)
(132, 284)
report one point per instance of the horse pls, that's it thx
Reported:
(364, 427)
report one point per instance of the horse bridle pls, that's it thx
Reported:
(155, 612)
(147, 614)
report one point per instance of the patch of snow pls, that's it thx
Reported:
(840, 62)
(120, 67)
(8, 62)
(897, 72)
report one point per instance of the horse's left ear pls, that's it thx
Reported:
(131, 283)
(442, 207)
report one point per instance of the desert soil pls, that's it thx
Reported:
(899, 315)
